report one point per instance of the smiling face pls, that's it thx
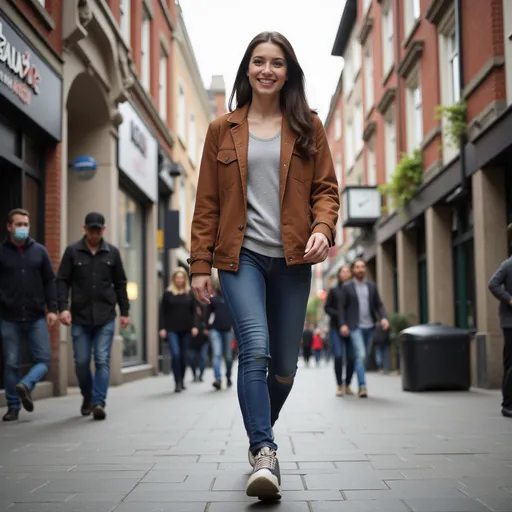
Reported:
(267, 69)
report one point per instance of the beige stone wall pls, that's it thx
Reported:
(407, 262)
(385, 272)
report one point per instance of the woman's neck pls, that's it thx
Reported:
(264, 108)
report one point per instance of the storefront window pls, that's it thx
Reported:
(131, 245)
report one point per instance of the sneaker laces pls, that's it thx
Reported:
(266, 459)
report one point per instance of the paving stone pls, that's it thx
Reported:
(90, 485)
(241, 507)
(63, 507)
(343, 482)
(434, 504)
(163, 507)
(359, 506)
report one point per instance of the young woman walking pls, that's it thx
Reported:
(178, 323)
(266, 210)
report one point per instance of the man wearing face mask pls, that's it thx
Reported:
(28, 306)
(93, 269)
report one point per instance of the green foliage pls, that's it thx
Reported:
(455, 117)
(314, 304)
(398, 322)
(405, 181)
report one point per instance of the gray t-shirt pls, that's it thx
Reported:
(263, 232)
(363, 297)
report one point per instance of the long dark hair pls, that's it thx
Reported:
(293, 94)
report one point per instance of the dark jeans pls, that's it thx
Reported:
(221, 346)
(197, 359)
(267, 300)
(13, 336)
(306, 352)
(85, 339)
(382, 356)
(342, 349)
(179, 343)
(507, 369)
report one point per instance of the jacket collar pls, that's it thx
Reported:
(28, 243)
(102, 247)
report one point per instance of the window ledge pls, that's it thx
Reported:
(41, 13)
(386, 100)
(182, 142)
(387, 76)
(411, 33)
(370, 111)
(437, 10)
(412, 56)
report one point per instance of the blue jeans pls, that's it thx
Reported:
(267, 300)
(179, 343)
(87, 338)
(197, 359)
(13, 335)
(221, 344)
(342, 349)
(382, 357)
(361, 339)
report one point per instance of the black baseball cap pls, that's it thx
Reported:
(95, 220)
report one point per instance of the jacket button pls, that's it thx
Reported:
(241, 227)
(290, 258)
(231, 265)
(226, 159)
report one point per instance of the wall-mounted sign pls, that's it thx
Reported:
(84, 167)
(27, 81)
(138, 152)
(361, 205)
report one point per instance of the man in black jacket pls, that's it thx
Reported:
(360, 309)
(340, 344)
(27, 295)
(93, 269)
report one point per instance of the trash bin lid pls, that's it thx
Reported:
(434, 330)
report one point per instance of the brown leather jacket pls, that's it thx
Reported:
(309, 194)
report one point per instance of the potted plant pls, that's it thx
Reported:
(405, 181)
(455, 119)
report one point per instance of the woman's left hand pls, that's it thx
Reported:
(317, 248)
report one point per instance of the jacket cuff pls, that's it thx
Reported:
(325, 230)
(200, 267)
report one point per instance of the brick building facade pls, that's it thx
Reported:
(433, 258)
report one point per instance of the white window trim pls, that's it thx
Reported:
(388, 57)
(125, 20)
(368, 76)
(390, 141)
(349, 145)
(182, 112)
(412, 13)
(338, 123)
(358, 127)
(348, 74)
(163, 82)
(192, 137)
(371, 163)
(415, 131)
(145, 61)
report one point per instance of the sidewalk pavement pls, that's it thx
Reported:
(158, 451)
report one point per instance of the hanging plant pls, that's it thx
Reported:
(405, 181)
(455, 117)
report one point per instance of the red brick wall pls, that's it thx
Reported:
(220, 103)
(54, 8)
(52, 230)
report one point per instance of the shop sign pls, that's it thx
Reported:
(28, 82)
(138, 152)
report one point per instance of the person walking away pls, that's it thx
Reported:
(307, 341)
(266, 210)
(381, 343)
(341, 345)
(500, 286)
(326, 341)
(317, 345)
(360, 309)
(178, 323)
(221, 337)
(28, 307)
(93, 270)
(198, 354)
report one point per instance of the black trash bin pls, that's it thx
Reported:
(435, 357)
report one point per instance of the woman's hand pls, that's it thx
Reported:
(195, 331)
(163, 334)
(317, 248)
(200, 284)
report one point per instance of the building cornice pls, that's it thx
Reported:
(437, 10)
(365, 30)
(348, 20)
(371, 126)
(386, 100)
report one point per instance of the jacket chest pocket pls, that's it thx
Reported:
(300, 168)
(107, 269)
(82, 268)
(227, 168)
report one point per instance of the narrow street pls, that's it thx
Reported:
(158, 451)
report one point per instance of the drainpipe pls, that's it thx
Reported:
(464, 137)
(398, 123)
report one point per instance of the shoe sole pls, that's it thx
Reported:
(99, 414)
(24, 396)
(264, 486)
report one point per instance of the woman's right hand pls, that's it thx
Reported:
(200, 283)
(163, 334)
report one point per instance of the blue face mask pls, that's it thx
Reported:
(21, 234)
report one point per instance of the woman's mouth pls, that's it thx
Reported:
(265, 81)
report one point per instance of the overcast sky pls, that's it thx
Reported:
(220, 31)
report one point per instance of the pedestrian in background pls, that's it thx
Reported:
(93, 270)
(28, 307)
(500, 286)
(178, 323)
(360, 309)
(341, 345)
(317, 345)
(307, 341)
(198, 354)
(221, 337)
(266, 210)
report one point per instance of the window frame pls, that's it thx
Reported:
(388, 29)
(145, 56)
(182, 113)
(369, 96)
(125, 17)
(163, 84)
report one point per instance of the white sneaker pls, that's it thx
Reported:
(265, 480)
(251, 457)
